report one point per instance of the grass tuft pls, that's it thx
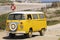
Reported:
(3, 21)
(53, 22)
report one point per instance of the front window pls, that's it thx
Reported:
(16, 17)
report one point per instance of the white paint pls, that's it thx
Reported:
(27, 12)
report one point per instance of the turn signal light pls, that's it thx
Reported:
(21, 23)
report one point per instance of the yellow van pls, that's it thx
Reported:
(26, 23)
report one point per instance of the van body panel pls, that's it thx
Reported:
(25, 25)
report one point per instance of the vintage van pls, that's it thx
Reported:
(26, 23)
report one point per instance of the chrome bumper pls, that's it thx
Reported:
(17, 32)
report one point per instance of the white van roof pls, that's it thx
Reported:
(26, 12)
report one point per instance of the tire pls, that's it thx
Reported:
(11, 35)
(42, 32)
(29, 35)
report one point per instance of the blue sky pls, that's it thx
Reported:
(49, 0)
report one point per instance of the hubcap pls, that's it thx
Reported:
(30, 34)
(43, 32)
(13, 26)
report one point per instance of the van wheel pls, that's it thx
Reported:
(29, 34)
(11, 35)
(42, 32)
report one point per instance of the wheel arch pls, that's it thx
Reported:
(43, 29)
(31, 29)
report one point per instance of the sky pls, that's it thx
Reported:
(49, 0)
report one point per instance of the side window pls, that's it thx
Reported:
(29, 16)
(41, 16)
(35, 16)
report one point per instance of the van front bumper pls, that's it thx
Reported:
(17, 32)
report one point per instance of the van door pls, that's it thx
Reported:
(42, 21)
(29, 21)
(35, 22)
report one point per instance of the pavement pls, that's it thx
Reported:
(52, 33)
(23, 6)
(4, 9)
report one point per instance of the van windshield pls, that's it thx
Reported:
(16, 17)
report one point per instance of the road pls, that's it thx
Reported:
(19, 7)
(4, 9)
(23, 6)
(52, 33)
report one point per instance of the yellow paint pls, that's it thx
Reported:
(35, 24)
